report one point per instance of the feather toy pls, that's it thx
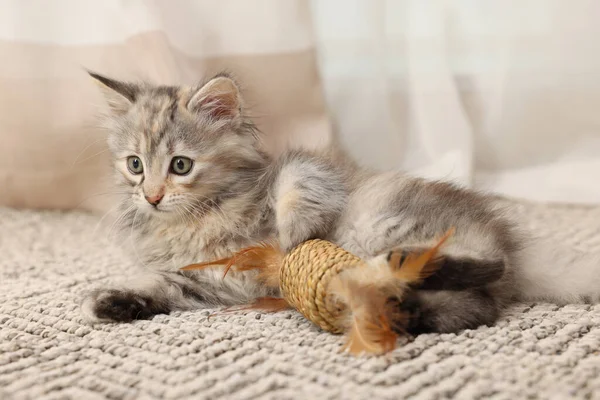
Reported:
(336, 290)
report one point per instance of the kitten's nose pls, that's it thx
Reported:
(154, 200)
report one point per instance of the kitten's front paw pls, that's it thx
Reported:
(111, 305)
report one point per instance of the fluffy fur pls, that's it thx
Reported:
(237, 196)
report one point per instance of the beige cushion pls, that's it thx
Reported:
(52, 152)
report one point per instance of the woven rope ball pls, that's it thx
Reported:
(305, 275)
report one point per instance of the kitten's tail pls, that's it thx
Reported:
(558, 272)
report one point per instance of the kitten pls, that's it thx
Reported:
(200, 187)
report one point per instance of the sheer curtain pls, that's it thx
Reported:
(496, 95)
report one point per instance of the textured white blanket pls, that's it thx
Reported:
(49, 259)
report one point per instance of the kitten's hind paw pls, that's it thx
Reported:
(445, 311)
(414, 321)
(112, 305)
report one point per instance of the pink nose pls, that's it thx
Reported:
(154, 200)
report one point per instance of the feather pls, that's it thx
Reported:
(222, 261)
(266, 304)
(364, 291)
(363, 318)
(367, 336)
(267, 258)
(417, 267)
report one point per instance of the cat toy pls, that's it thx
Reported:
(336, 290)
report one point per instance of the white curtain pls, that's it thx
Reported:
(496, 95)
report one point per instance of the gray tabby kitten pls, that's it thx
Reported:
(200, 187)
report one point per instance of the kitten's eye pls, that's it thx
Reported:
(134, 164)
(181, 165)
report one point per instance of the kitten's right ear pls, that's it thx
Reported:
(119, 95)
(220, 98)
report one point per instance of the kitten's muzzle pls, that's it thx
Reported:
(154, 200)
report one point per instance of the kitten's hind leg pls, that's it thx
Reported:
(454, 297)
(447, 311)
(143, 298)
(454, 273)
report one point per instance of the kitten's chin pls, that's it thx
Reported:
(157, 212)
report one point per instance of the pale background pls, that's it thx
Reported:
(495, 95)
(501, 95)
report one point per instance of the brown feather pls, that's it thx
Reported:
(267, 258)
(222, 261)
(266, 304)
(364, 319)
(365, 291)
(417, 267)
(269, 304)
(245, 260)
(370, 336)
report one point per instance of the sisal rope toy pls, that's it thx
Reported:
(336, 290)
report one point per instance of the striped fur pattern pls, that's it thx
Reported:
(235, 195)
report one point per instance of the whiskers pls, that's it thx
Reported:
(193, 208)
(78, 159)
(118, 221)
(113, 193)
(134, 244)
(111, 210)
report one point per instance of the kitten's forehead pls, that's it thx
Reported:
(155, 112)
(159, 123)
(157, 107)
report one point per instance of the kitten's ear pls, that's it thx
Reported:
(119, 95)
(220, 98)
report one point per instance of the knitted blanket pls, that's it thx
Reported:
(48, 260)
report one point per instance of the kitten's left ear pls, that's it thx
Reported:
(119, 95)
(219, 98)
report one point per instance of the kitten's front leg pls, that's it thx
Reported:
(144, 297)
(309, 196)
